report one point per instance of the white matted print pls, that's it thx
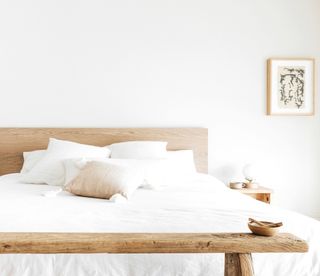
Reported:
(290, 87)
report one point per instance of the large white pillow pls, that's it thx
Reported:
(177, 167)
(50, 169)
(30, 159)
(139, 150)
(150, 168)
(182, 161)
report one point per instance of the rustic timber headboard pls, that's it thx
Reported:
(14, 141)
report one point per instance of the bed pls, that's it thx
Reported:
(201, 205)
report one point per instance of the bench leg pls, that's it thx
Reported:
(238, 264)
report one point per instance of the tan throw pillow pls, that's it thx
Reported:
(103, 180)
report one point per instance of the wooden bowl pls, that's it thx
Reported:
(263, 230)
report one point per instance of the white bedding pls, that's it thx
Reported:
(203, 205)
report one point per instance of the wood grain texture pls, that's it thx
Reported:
(238, 264)
(259, 190)
(262, 197)
(126, 243)
(246, 264)
(262, 193)
(232, 264)
(14, 141)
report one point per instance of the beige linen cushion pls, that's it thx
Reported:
(103, 180)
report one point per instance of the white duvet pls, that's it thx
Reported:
(202, 205)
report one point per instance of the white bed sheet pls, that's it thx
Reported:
(203, 205)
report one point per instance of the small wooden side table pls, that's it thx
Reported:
(262, 193)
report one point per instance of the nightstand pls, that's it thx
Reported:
(261, 193)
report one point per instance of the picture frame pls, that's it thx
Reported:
(291, 86)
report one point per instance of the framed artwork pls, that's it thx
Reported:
(290, 86)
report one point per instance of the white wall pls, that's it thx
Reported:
(167, 63)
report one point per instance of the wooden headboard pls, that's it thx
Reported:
(14, 141)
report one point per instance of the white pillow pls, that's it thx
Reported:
(176, 169)
(182, 161)
(50, 169)
(30, 159)
(139, 150)
(179, 166)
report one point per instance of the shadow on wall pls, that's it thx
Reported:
(228, 173)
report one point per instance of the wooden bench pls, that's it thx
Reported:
(237, 247)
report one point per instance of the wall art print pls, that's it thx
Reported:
(290, 87)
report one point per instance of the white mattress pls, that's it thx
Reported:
(202, 205)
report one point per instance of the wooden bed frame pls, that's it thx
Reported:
(14, 141)
(236, 246)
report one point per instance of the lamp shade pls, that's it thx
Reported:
(250, 172)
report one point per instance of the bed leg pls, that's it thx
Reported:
(238, 264)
